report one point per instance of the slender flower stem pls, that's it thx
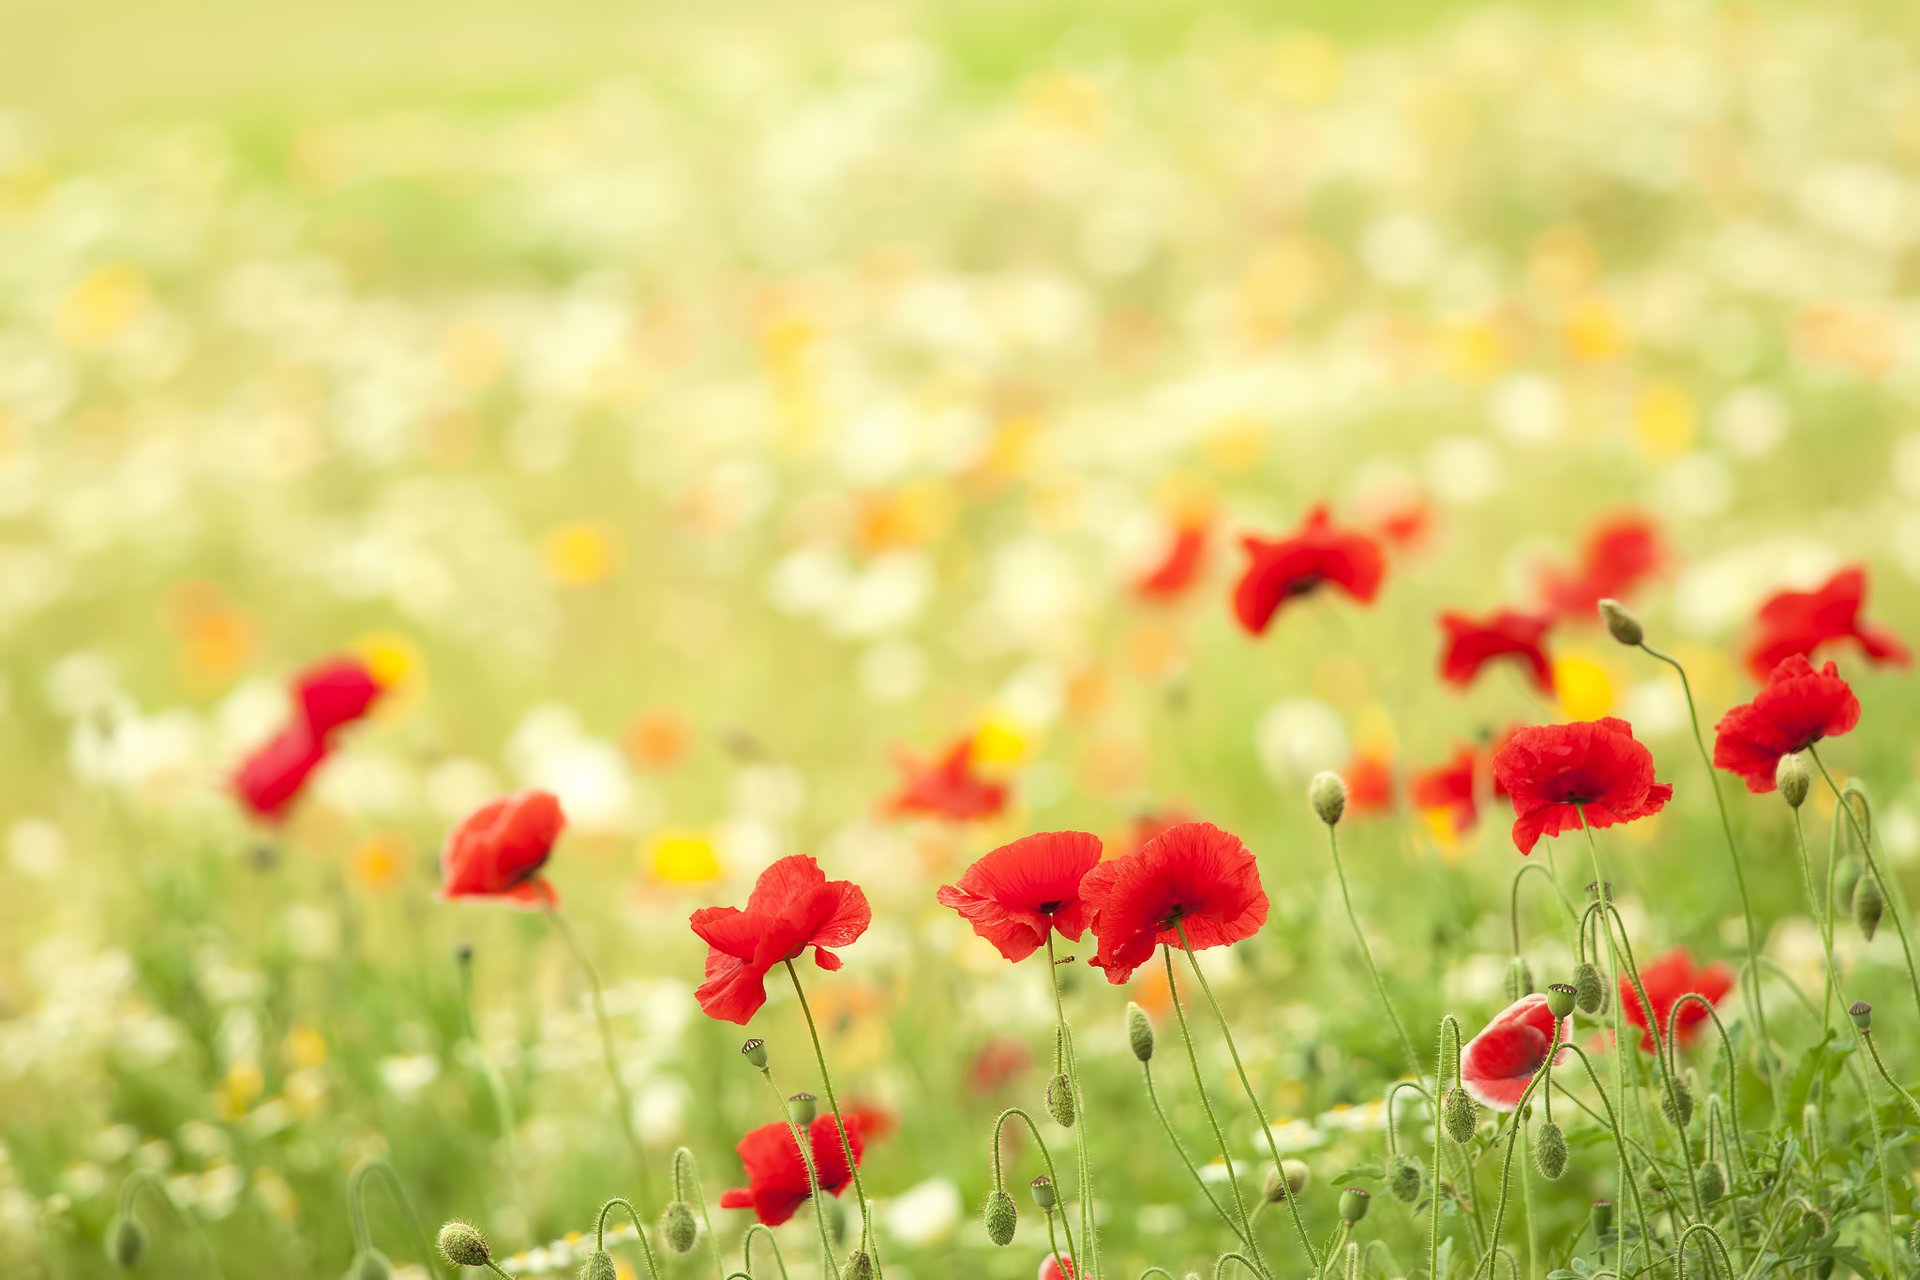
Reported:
(1873, 1051)
(867, 1238)
(1083, 1173)
(1513, 1139)
(1619, 1142)
(1220, 1267)
(746, 1250)
(1726, 1049)
(1366, 953)
(1213, 1121)
(1825, 920)
(149, 1178)
(639, 1230)
(607, 1050)
(1259, 1112)
(804, 1141)
(496, 1086)
(1873, 869)
(1765, 1046)
(356, 1207)
(1619, 1018)
(1439, 1078)
(1053, 1175)
(684, 1157)
(1153, 1096)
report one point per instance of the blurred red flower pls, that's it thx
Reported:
(1554, 771)
(1315, 555)
(335, 693)
(1801, 622)
(498, 850)
(1667, 979)
(270, 779)
(1497, 1064)
(1179, 566)
(1620, 553)
(1507, 634)
(1193, 875)
(948, 788)
(997, 1064)
(1151, 823)
(1457, 785)
(777, 1183)
(1055, 1267)
(1015, 894)
(1369, 780)
(793, 906)
(1798, 707)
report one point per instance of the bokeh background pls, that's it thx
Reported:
(691, 408)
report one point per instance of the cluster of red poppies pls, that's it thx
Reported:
(327, 698)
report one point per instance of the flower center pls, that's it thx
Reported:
(1302, 585)
(1048, 908)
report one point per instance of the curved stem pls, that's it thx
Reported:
(1083, 1161)
(149, 1178)
(639, 1230)
(1619, 1141)
(1873, 869)
(867, 1239)
(1179, 1149)
(746, 1250)
(356, 1192)
(1873, 1051)
(1053, 1175)
(1714, 1237)
(684, 1154)
(1366, 953)
(1824, 919)
(1513, 899)
(1220, 1267)
(1513, 1137)
(804, 1141)
(1726, 1048)
(607, 1050)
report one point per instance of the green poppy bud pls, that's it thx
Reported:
(1677, 1105)
(1793, 778)
(1711, 1181)
(1460, 1114)
(1602, 1219)
(805, 1108)
(859, 1266)
(1550, 1152)
(1589, 989)
(1621, 624)
(463, 1244)
(1561, 998)
(599, 1266)
(1405, 1178)
(1001, 1217)
(1519, 978)
(755, 1052)
(1290, 1179)
(1862, 1014)
(1139, 1032)
(678, 1228)
(1043, 1194)
(370, 1264)
(1060, 1101)
(126, 1241)
(1868, 905)
(1354, 1203)
(1327, 793)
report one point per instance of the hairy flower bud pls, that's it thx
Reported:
(600, 1266)
(1590, 991)
(126, 1241)
(1622, 625)
(1139, 1032)
(1043, 1194)
(1290, 1179)
(859, 1266)
(1561, 998)
(1327, 793)
(1602, 1219)
(369, 1264)
(678, 1228)
(463, 1244)
(1862, 1014)
(805, 1108)
(755, 1052)
(1793, 778)
(1001, 1217)
(1676, 1103)
(1060, 1101)
(1405, 1178)
(1868, 904)
(1711, 1181)
(1550, 1152)
(1354, 1202)
(1519, 978)
(1460, 1114)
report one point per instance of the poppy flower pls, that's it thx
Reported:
(1455, 786)
(1801, 622)
(1798, 707)
(1554, 771)
(997, 1064)
(777, 1183)
(793, 906)
(1179, 566)
(334, 694)
(1016, 894)
(1369, 780)
(1619, 554)
(1055, 1267)
(1667, 979)
(271, 779)
(948, 788)
(1505, 635)
(497, 851)
(1406, 523)
(1194, 876)
(1497, 1064)
(1317, 554)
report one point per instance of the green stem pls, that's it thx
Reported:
(639, 1230)
(356, 1192)
(1366, 953)
(680, 1155)
(607, 1049)
(1083, 1160)
(868, 1240)
(497, 1090)
(1718, 1243)
(804, 1141)
(746, 1249)
(1824, 919)
(149, 1178)
(1153, 1096)
(1513, 1139)
(1220, 1267)
(1619, 1142)
(1053, 1175)
(1873, 1051)
(1887, 888)
(1726, 1049)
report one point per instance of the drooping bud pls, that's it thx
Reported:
(1460, 1114)
(1060, 1101)
(600, 1266)
(1814, 1220)
(805, 1108)
(1043, 1194)
(1590, 992)
(126, 1241)
(1676, 1103)
(859, 1266)
(1405, 1178)
(1550, 1153)
(1561, 997)
(1711, 1182)
(1354, 1203)
(1862, 1014)
(1290, 1179)
(755, 1052)
(1001, 1217)
(1139, 1032)
(1602, 1219)
(1793, 778)
(678, 1228)
(1327, 793)
(1868, 904)
(463, 1244)
(369, 1264)
(1622, 625)
(1519, 978)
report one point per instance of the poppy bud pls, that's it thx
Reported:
(1405, 1177)
(1793, 778)
(677, 1227)
(1621, 624)
(1327, 793)
(1814, 1220)
(1711, 1182)
(1602, 1219)
(1460, 1114)
(1550, 1156)
(859, 1266)
(1561, 997)
(1589, 992)
(1676, 1104)
(1519, 978)
(1868, 904)
(126, 1241)
(755, 1052)
(1043, 1196)
(1846, 878)
(463, 1244)
(1862, 1014)
(1060, 1101)
(600, 1266)
(1290, 1179)
(370, 1264)
(1354, 1202)
(1139, 1032)
(805, 1108)
(1001, 1217)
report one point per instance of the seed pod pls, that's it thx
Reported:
(859, 1266)
(678, 1228)
(1711, 1182)
(1043, 1194)
(805, 1108)
(1139, 1032)
(1460, 1114)
(1297, 1177)
(1868, 905)
(1001, 1217)
(1602, 1219)
(1405, 1178)
(1793, 778)
(1550, 1154)
(1590, 991)
(1519, 978)
(1354, 1202)
(126, 1241)
(1622, 625)
(1862, 1014)
(1327, 793)
(1677, 1106)
(370, 1264)
(463, 1244)
(1060, 1101)
(1561, 997)
(755, 1052)
(600, 1266)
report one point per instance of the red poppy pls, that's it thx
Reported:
(1180, 565)
(947, 788)
(1369, 780)
(1497, 1064)
(1015, 894)
(1801, 622)
(1193, 875)
(1798, 707)
(1554, 771)
(777, 1183)
(997, 1064)
(1316, 555)
(1405, 523)
(873, 1121)
(1506, 634)
(1620, 553)
(499, 849)
(335, 693)
(271, 779)
(793, 906)
(1055, 1267)
(1667, 979)
(1457, 785)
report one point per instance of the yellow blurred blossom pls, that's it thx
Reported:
(1002, 740)
(379, 860)
(304, 1046)
(1474, 350)
(1237, 443)
(1583, 685)
(275, 1193)
(1592, 330)
(397, 663)
(239, 1087)
(1663, 420)
(101, 305)
(1064, 103)
(1306, 68)
(657, 739)
(681, 855)
(472, 354)
(581, 553)
(913, 515)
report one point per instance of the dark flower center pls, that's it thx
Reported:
(1048, 908)
(1303, 584)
